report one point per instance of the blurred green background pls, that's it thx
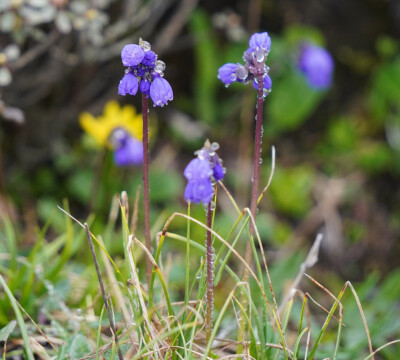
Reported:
(337, 151)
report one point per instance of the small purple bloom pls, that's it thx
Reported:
(160, 91)
(144, 87)
(129, 153)
(317, 65)
(227, 73)
(132, 55)
(128, 85)
(199, 191)
(218, 172)
(267, 83)
(260, 40)
(149, 59)
(197, 169)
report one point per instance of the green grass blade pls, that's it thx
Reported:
(20, 320)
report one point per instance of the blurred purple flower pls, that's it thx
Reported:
(317, 65)
(199, 191)
(127, 149)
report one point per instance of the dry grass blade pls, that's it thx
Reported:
(310, 261)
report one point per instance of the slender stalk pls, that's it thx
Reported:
(146, 189)
(210, 277)
(103, 292)
(256, 165)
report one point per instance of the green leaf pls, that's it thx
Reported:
(78, 347)
(7, 330)
(291, 102)
(291, 190)
(206, 66)
(165, 186)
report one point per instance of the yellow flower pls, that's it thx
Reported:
(113, 117)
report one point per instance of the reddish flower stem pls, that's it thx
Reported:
(210, 277)
(146, 189)
(256, 166)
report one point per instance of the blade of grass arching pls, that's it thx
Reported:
(66, 252)
(99, 333)
(152, 344)
(296, 348)
(229, 253)
(11, 241)
(302, 315)
(370, 356)
(139, 292)
(94, 238)
(117, 291)
(219, 319)
(20, 320)
(328, 318)
(285, 322)
(230, 272)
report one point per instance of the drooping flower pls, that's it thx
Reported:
(202, 172)
(254, 67)
(119, 129)
(143, 65)
(317, 65)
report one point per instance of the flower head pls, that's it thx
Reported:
(118, 128)
(202, 172)
(317, 65)
(260, 40)
(144, 73)
(254, 68)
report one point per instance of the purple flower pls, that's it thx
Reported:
(317, 65)
(132, 55)
(254, 64)
(199, 191)
(145, 87)
(197, 169)
(145, 73)
(218, 172)
(149, 59)
(267, 83)
(160, 91)
(128, 85)
(202, 172)
(227, 73)
(260, 40)
(127, 149)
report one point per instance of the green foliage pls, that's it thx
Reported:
(291, 189)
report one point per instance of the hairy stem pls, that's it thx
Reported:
(146, 189)
(210, 277)
(256, 165)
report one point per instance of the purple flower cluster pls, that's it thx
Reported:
(145, 73)
(202, 173)
(127, 149)
(254, 68)
(317, 65)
